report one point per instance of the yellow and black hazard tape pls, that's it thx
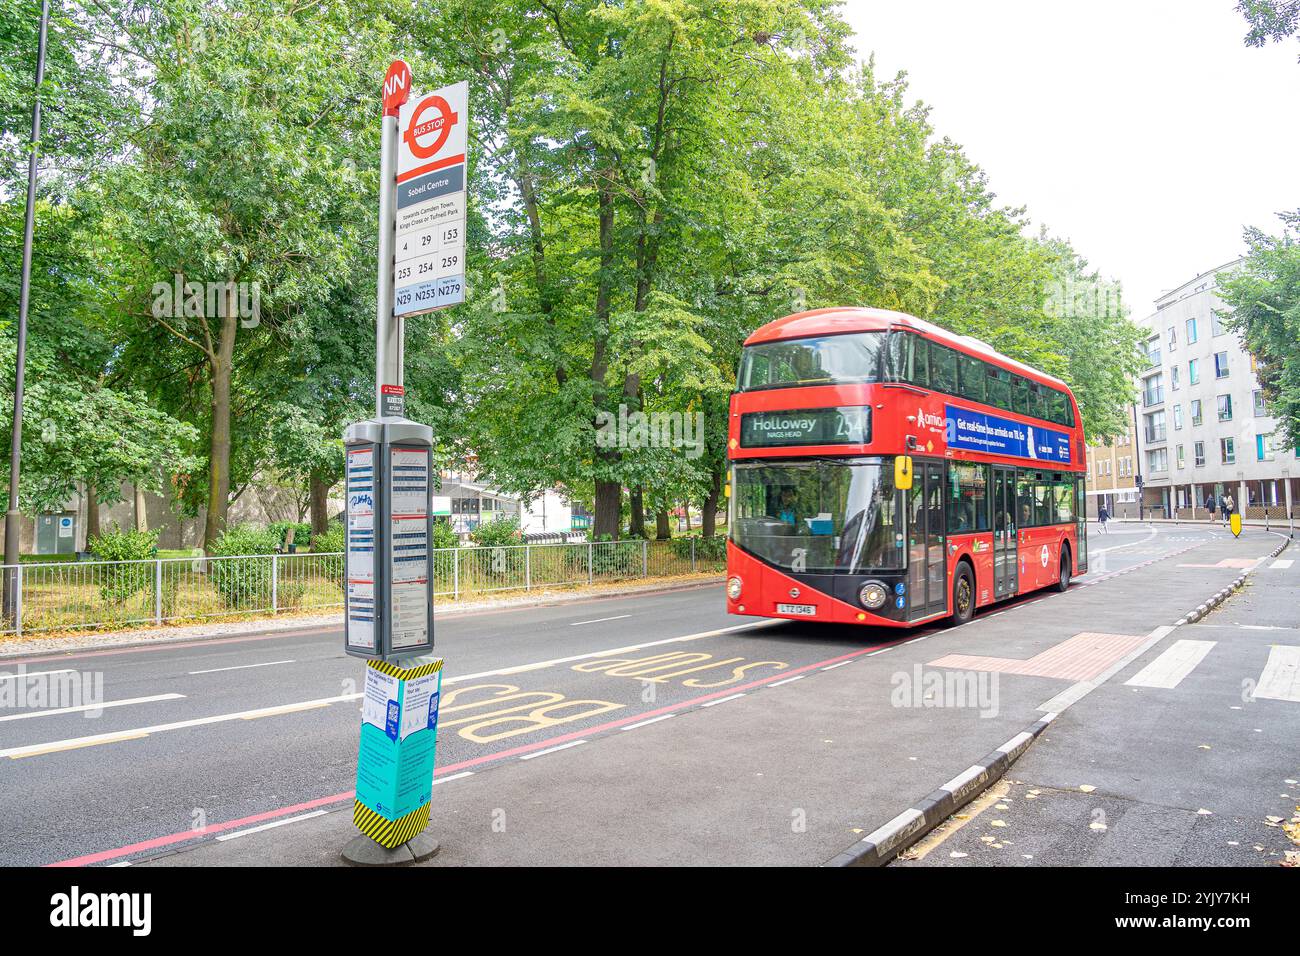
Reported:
(389, 833)
(406, 673)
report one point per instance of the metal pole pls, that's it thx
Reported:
(645, 558)
(275, 583)
(455, 573)
(157, 591)
(388, 329)
(528, 567)
(13, 520)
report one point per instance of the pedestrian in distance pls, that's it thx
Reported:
(1209, 505)
(1228, 507)
(1102, 517)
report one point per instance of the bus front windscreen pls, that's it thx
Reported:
(819, 516)
(825, 360)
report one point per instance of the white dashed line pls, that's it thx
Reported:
(269, 826)
(551, 750)
(787, 680)
(652, 720)
(722, 700)
(454, 776)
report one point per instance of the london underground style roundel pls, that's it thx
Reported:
(430, 126)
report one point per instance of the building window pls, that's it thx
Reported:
(1228, 451)
(1193, 372)
(1157, 460)
(1196, 412)
(1216, 323)
(1173, 338)
(1264, 447)
(1182, 461)
(1261, 408)
(1178, 418)
(1220, 364)
(1191, 331)
(1225, 408)
(1173, 378)
(1198, 454)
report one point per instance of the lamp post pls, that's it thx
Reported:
(13, 520)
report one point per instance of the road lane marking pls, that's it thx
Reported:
(600, 620)
(722, 700)
(1281, 677)
(84, 707)
(239, 667)
(652, 720)
(790, 680)
(1081, 657)
(551, 750)
(454, 776)
(1281, 564)
(831, 667)
(270, 826)
(448, 772)
(1132, 544)
(32, 750)
(1176, 662)
(1076, 692)
(24, 676)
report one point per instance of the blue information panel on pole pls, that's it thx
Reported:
(978, 431)
(399, 735)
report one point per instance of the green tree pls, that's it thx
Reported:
(1263, 297)
(1270, 20)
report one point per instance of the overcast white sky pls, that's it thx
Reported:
(1144, 131)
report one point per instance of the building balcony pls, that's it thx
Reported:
(1153, 396)
(1156, 435)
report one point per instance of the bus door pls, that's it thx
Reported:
(1005, 556)
(927, 574)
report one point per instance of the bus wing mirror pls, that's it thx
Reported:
(903, 472)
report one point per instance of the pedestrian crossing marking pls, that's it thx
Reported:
(1281, 564)
(1281, 677)
(1176, 662)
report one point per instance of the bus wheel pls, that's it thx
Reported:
(1063, 580)
(963, 595)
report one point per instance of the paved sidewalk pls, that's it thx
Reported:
(1190, 756)
(792, 769)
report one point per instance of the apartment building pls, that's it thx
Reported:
(1112, 477)
(1203, 426)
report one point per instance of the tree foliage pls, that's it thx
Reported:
(1264, 309)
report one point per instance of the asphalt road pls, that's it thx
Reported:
(264, 728)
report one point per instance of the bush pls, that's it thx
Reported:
(443, 535)
(301, 532)
(497, 534)
(119, 583)
(240, 582)
(616, 558)
(333, 541)
(706, 549)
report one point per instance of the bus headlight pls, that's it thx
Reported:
(872, 595)
(733, 588)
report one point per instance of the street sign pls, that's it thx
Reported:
(429, 251)
(397, 87)
(1235, 524)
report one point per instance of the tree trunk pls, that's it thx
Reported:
(220, 365)
(686, 513)
(609, 506)
(141, 513)
(709, 521)
(320, 495)
(92, 512)
(663, 531)
(636, 501)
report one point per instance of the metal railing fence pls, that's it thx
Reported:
(70, 595)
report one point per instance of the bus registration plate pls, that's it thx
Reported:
(806, 610)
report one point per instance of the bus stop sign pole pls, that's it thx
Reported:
(388, 607)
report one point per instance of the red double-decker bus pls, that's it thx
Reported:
(885, 471)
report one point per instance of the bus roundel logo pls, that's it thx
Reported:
(430, 125)
(1045, 556)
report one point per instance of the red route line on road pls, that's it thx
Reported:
(185, 835)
